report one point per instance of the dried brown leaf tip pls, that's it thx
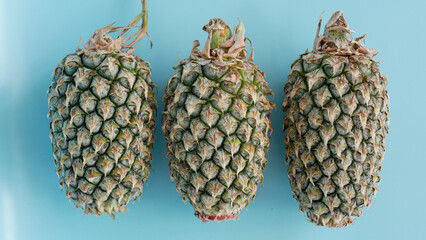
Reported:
(337, 38)
(221, 44)
(101, 41)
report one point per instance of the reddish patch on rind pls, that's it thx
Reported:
(206, 218)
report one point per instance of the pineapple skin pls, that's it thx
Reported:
(217, 122)
(102, 110)
(335, 124)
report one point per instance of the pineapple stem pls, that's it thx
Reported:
(219, 30)
(337, 29)
(101, 41)
(222, 43)
(337, 38)
(317, 37)
(144, 26)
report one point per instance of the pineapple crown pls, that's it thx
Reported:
(222, 44)
(101, 41)
(337, 38)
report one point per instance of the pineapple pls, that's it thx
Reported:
(336, 120)
(102, 109)
(217, 122)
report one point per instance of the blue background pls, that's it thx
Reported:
(35, 35)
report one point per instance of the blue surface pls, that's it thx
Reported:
(35, 35)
